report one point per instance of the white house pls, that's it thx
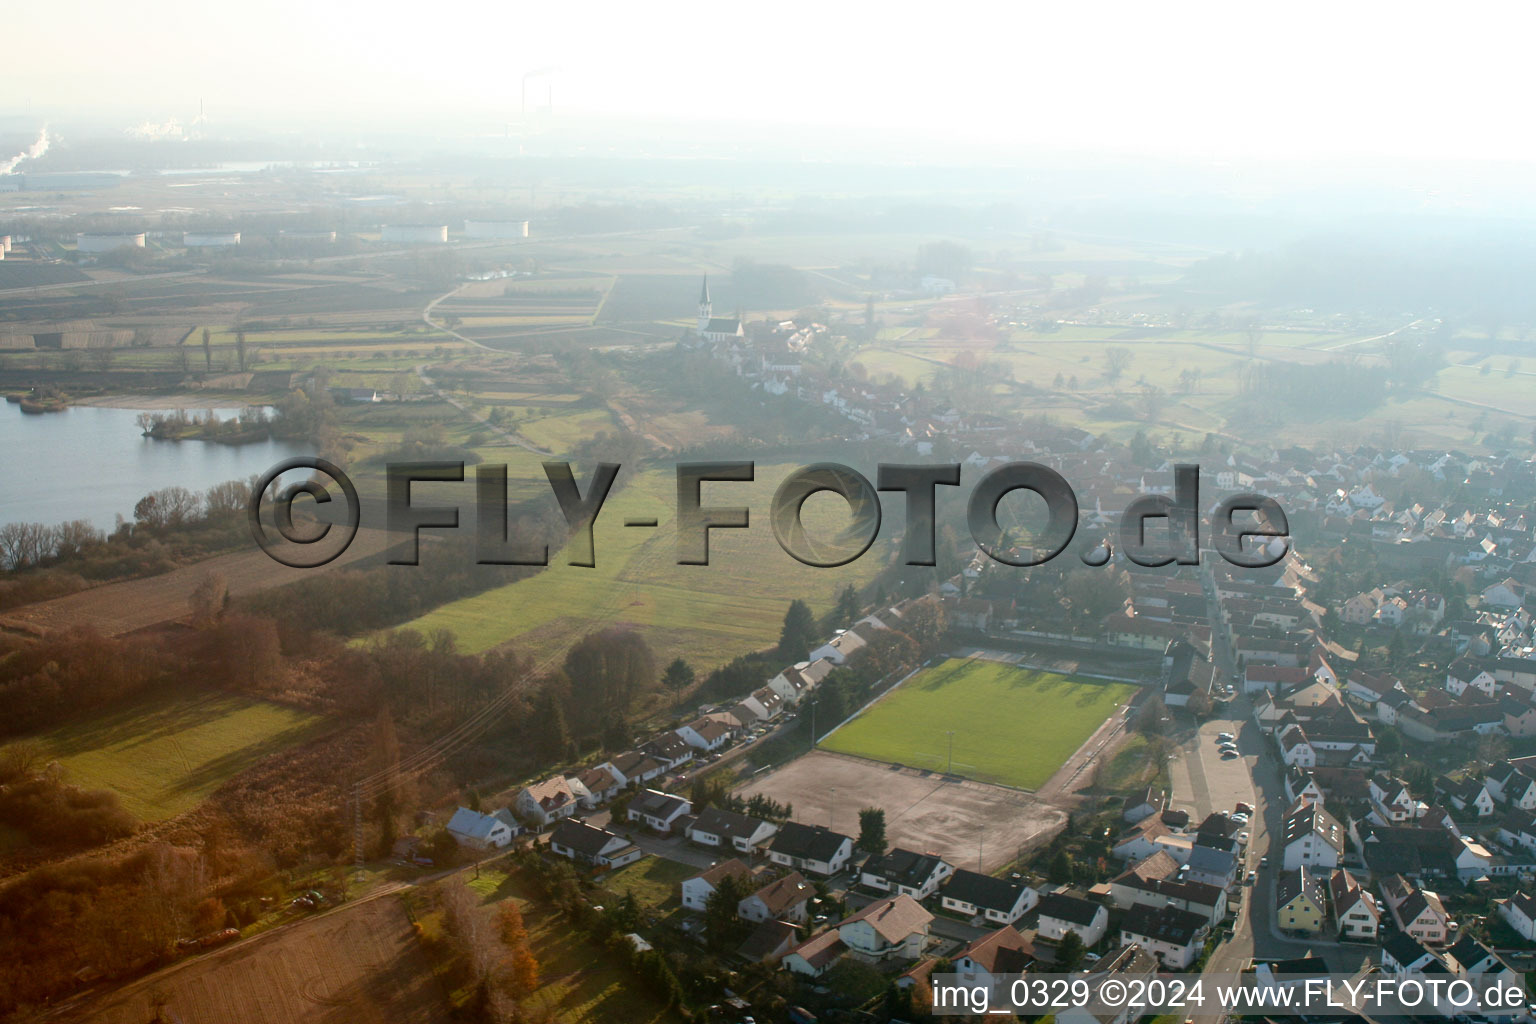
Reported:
(1354, 909)
(840, 647)
(1520, 911)
(999, 900)
(1061, 913)
(554, 798)
(1311, 837)
(811, 848)
(482, 832)
(905, 871)
(784, 899)
(1174, 936)
(890, 928)
(657, 810)
(591, 845)
(816, 955)
(729, 830)
(705, 734)
(697, 890)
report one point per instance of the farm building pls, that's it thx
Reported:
(495, 229)
(210, 239)
(93, 242)
(414, 234)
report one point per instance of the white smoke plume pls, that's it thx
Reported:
(32, 152)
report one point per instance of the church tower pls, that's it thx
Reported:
(704, 305)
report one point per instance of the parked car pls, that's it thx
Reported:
(1243, 808)
(1230, 755)
(1240, 818)
(1264, 861)
(1242, 837)
(1252, 875)
(1225, 737)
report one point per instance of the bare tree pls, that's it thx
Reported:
(208, 598)
(1116, 361)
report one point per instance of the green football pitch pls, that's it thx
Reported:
(1010, 725)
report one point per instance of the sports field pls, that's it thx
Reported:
(1011, 725)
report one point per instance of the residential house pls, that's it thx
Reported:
(768, 942)
(1142, 886)
(657, 810)
(816, 955)
(482, 832)
(1127, 965)
(1311, 837)
(670, 749)
(810, 848)
(1469, 957)
(1301, 901)
(894, 927)
(766, 703)
(840, 647)
(1143, 804)
(730, 830)
(550, 800)
(1391, 800)
(1213, 861)
(993, 960)
(706, 734)
(1402, 955)
(635, 768)
(906, 871)
(1519, 911)
(1469, 795)
(1354, 909)
(697, 889)
(1174, 936)
(1511, 786)
(1417, 912)
(1295, 750)
(592, 845)
(602, 782)
(1000, 900)
(1061, 913)
(785, 899)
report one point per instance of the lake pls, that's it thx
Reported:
(91, 462)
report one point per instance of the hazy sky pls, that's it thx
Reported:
(1195, 79)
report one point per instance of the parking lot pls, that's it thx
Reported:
(1203, 781)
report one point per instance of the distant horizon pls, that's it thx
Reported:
(1201, 81)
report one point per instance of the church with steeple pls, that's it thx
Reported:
(716, 328)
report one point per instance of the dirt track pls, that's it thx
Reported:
(359, 965)
(116, 608)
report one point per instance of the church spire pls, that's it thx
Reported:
(704, 304)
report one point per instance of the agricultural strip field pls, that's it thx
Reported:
(1012, 726)
(706, 614)
(164, 756)
(361, 964)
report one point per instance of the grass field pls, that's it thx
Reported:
(1011, 726)
(707, 614)
(164, 756)
(579, 980)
